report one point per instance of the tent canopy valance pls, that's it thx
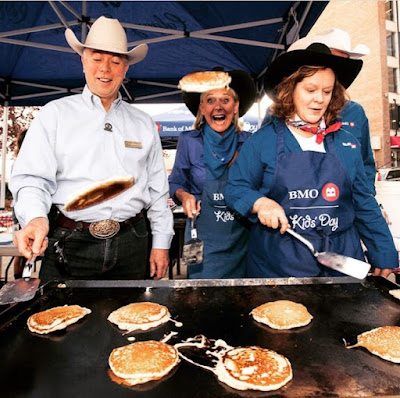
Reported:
(38, 66)
(183, 36)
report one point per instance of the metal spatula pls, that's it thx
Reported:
(192, 252)
(22, 289)
(347, 265)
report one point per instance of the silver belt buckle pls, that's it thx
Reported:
(104, 229)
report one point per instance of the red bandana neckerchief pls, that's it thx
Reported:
(321, 131)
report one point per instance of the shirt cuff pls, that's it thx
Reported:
(244, 206)
(161, 241)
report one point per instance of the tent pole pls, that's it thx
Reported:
(4, 157)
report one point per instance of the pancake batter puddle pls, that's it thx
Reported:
(242, 368)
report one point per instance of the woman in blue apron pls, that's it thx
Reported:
(303, 171)
(203, 158)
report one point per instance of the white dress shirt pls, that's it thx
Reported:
(68, 149)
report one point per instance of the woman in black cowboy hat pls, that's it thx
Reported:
(303, 171)
(203, 158)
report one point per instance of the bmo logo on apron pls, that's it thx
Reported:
(330, 192)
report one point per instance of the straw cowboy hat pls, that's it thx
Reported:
(107, 34)
(336, 39)
(242, 83)
(317, 54)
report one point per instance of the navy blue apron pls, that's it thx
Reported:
(225, 239)
(314, 190)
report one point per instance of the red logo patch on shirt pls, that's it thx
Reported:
(330, 192)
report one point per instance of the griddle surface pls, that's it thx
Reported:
(74, 362)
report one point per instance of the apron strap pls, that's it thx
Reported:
(233, 158)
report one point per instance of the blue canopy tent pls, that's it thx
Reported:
(37, 65)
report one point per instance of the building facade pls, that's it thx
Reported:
(377, 88)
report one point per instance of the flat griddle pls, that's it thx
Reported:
(74, 362)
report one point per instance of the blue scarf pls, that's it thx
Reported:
(218, 150)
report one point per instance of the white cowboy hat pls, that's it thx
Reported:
(107, 34)
(335, 39)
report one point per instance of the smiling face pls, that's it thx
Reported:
(104, 73)
(312, 95)
(218, 108)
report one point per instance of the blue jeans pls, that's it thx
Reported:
(124, 256)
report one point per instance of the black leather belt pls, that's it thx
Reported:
(102, 229)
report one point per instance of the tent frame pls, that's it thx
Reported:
(169, 34)
(73, 18)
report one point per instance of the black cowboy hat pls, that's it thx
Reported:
(243, 85)
(317, 54)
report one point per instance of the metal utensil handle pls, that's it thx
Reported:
(27, 271)
(193, 230)
(302, 239)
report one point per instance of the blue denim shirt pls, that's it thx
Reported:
(189, 171)
(355, 121)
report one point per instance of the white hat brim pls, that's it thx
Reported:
(329, 40)
(134, 56)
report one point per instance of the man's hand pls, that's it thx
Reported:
(159, 262)
(271, 214)
(32, 239)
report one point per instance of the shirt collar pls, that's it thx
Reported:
(92, 100)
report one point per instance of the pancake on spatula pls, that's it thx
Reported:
(56, 318)
(282, 314)
(254, 368)
(99, 192)
(143, 361)
(140, 316)
(383, 342)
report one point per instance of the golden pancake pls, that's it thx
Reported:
(140, 316)
(140, 362)
(282, 314)
(99, 192)
(254, 368)
(56, 318)
(383, 342)
(395, 293)
(200, 82)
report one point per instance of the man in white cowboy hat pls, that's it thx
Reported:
(82, 139)
(353, 116)
(337, 40)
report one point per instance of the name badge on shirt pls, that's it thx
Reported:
(133, 144)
